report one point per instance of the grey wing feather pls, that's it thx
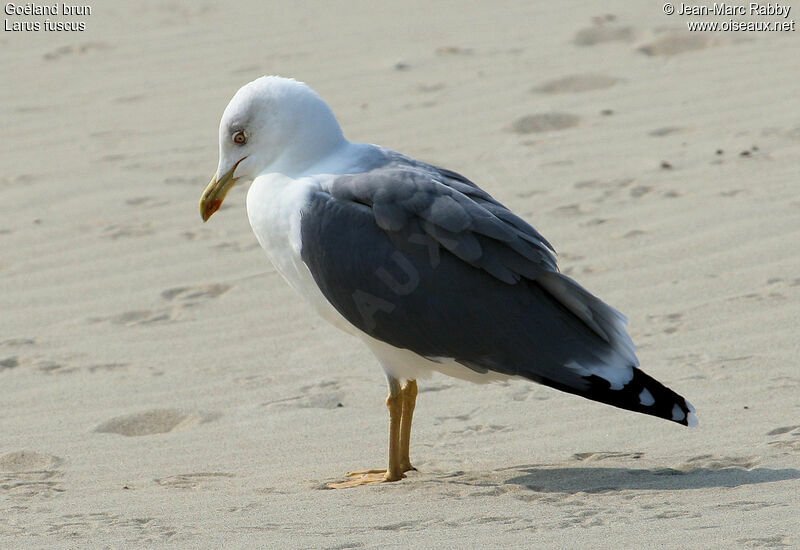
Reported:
(465, 186)
(454, 219)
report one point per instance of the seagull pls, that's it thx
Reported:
(423, 266)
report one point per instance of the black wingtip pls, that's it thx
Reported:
(643, 394)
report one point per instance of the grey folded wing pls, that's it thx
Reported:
(423, 259)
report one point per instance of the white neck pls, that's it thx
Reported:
(315, 135)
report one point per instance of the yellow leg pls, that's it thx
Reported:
(409, 394)
(400, 402)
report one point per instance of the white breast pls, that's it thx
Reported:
(274, 203)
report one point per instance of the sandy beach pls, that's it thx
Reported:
(162, 387)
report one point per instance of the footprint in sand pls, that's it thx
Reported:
(758, 297)
(603, 31)
(597, 191)
(139, 317)
(669, 322)
(775, 541)
(53, 367)
(604, 455)
(120, 231)
(569, 210)
(544, 122)
(195, 294)
(674, 43)
(9, 363)
(133, 98)
(206, 234)
(789, 438)
(576, 83)
(47, 365)
(107, 367)
(234, 246)
(528, 392)
(28, 461)
(665, 131)
(455, 418)
(154, 421)
(595, 221)
(192, 481)
(145, 202)
(640, 191)
(429, 88)
(75, 49)
(481, 429)
(30, 474)
(784, 430)
(633, 233)
(323, 395)
(17, 180)
(39, 363)
(454, 50)
(87, 526)
(714, 462)
(183, 298)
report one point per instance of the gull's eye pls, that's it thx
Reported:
(240, 138)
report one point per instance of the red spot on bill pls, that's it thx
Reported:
(213, 206)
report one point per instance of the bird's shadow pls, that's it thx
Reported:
(579, 479)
